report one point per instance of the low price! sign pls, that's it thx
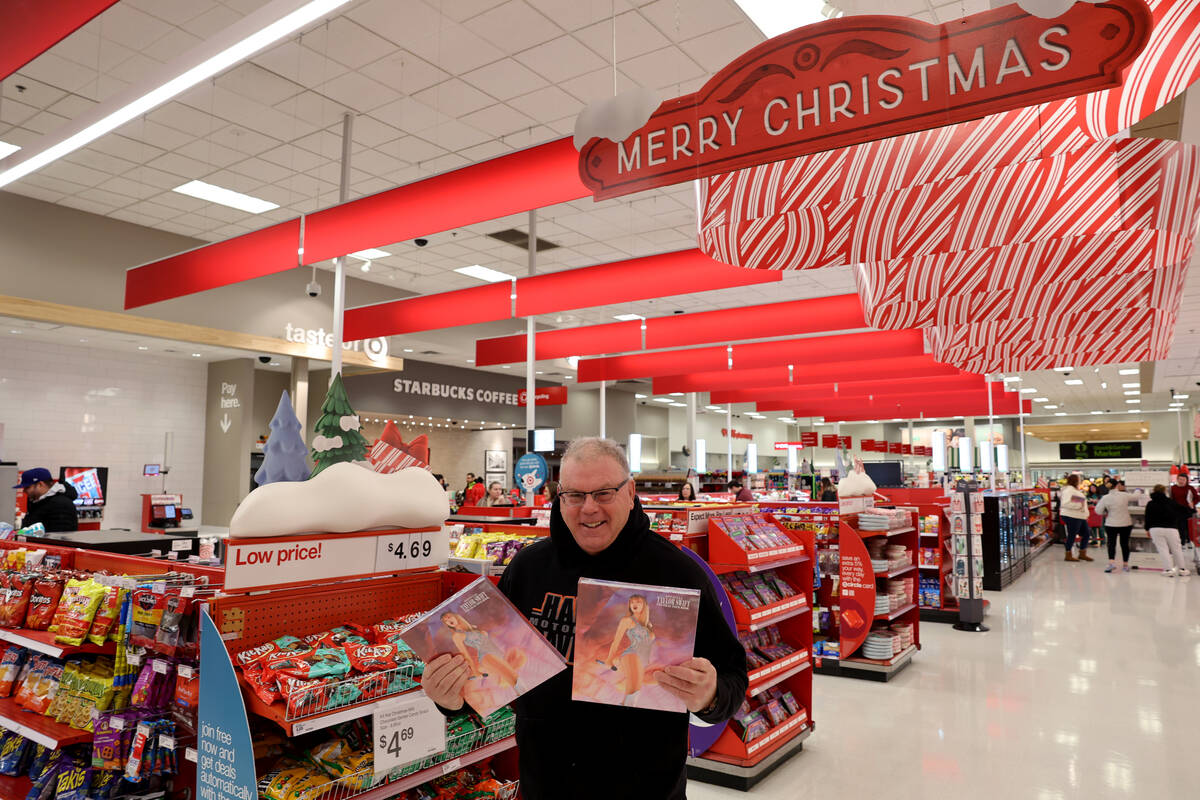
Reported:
(260, 563)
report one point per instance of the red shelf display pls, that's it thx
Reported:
(35, 727)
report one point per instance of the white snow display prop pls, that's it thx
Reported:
(856, 484)
(615, 118)
(342, 498)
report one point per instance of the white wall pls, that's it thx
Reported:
(78, 406)
(1162, 443)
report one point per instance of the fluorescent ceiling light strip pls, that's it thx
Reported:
(267, 25)
(627, 317)
(663, 400)
(484, 274)
(1127, 372)
(225, 197)
(7, 149)
(370, 253)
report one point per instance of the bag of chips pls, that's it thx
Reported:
(43, 602)
(10, 668)
(106, 615)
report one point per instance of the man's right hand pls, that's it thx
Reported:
(444, 679)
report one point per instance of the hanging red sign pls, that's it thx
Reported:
(906, 449)
(859, 79)
(829, 440)
(845, 442)
(546, 396)
(735, 434)
(808, 439)
(868, 445)
(895, 447)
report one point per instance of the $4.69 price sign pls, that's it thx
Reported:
(412, 550)
(407, 729)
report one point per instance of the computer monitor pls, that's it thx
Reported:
(150, 470)
(543, 440)
(185, 513)
(91, 483)
(169, 511)
(158, 512)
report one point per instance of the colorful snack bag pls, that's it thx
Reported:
(264, 685)
(106, 615)
(73, 782)
(43, 603)
(64, 603)
(373, 658)
(147, 613)
(15, 602)
(75, 624)
(14, 750)
(10, 668)
(324, 662)
(170, 627)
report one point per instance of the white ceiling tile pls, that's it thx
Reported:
(132, 70)
(547, 103)
(101, 161)
(180, 202)
(357, 91)
(172, 44)
(293, 158)
(662, 67)
(302, 65)
(505, 79)
(182, 166)
(457, 135)
(307, 110)
(44, 122)
(513, 26)
(560, 59)
(126, 148)
(210, 153)
(371, 132)
(175, 12)
(89, 206)
(212, 21)
(405, 72)
(180, 117)
(131, 27)
(48, 183)
(158, 136)
(130, 187)
(454, 97)
(151, 209)
(571, 15)
(349, 43)
(21, 137)
(242, 140)
(75, 173)
(409, 115)
(444, 163)
(32, 92)
(482, 152)
(104, 196)
(499, 119)
(634, 37)
(698, 18)
(713, 51)
(462, 10)
(374, 162)
(258, 83)
(13, 112)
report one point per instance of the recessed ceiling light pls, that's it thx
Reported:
(1048, 408)
(1028, 390)
(714, 408)
(663, 400)
(1097, 412)
(1131, 392)
(627, 317)
(1181, 397)
(142, 347)
(1131, 386)
(1175, 405)
(568, 377)
(788, 420)
(1013, 379)
(7, 149)
(194, 355)
(1073, 382)
(408, 349)
(773, 17)
(225, 197)
(1041, 399)
(484, 274)
(1063, 369)
(640, 396)
(505, 366)
(470, 361)
(1133, 401)
(371, 253)
(83, 340)
(276, 364)
(14, 330)
(679, 405)
(1127, 372)
(676, 394)
(1103, 384)
(1060, 413)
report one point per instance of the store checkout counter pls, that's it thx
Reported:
(206, 543)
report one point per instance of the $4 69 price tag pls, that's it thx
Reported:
(412, 550)
(406, 730)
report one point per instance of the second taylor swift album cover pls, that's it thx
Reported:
(506, 655)
(625, 633)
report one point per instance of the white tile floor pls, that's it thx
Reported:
(1086, 686)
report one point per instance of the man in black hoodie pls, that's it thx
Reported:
(50, 503)
(572, 749)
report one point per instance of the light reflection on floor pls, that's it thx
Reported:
(1087, 685)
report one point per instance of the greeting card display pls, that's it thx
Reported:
(625, 634)
(506, 655)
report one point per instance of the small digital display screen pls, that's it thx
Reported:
(150, 470)
(158, 512)
(185, 513)
(90, 483)
(169, 511)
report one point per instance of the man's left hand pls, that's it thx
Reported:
(694, 682)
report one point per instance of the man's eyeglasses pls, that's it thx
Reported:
(601, 496)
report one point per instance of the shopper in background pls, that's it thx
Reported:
(1162, 516)
(1114, 508)
(473, 496)
(592, 750)
(687, 492)
(49, 502)
(828, 493)
(495, 496)
(1074, 512)
(1184, 495)
(551, 492)
(740, 493)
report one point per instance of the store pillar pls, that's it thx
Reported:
(299, 391)
(228, 438)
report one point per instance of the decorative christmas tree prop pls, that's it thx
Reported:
(338, 439)
(286, 454)
(391, 454)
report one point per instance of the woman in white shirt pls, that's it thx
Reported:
(1114, 507)
(1073, 508)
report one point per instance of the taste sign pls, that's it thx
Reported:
(859, 79)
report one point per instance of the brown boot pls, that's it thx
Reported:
(1083, 556)
(1070, 557)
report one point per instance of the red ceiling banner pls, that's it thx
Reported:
(838, 313)
(31, 27)
(808, 439)
(852, 80)
(829, 440)
(845, 442)
(486, 303)
(868, 445)
(834, 372)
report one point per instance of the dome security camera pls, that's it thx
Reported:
(313, 289)
(420, 242)
(264, 359)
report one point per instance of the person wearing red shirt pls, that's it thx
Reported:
(474, 492)
(1185, 497)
